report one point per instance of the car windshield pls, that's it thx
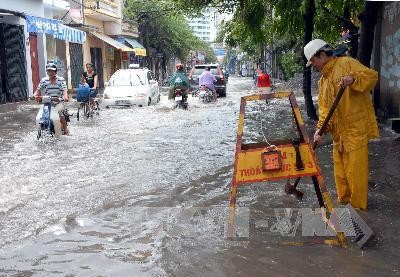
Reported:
(125, 78)
(199, 70)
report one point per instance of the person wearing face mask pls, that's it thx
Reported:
(353, 123)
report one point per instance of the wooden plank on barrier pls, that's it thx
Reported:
(249, 165)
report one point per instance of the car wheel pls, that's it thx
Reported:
(223, 94)
(149, 102)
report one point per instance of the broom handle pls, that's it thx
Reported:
(330, 113)
(325, 123)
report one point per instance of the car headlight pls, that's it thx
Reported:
(140, 94)
(107, 96)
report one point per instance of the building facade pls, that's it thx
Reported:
(69, 33)
(111, 42)
(205, 27)
(31, 35)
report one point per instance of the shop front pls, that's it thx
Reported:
(59, 39)
(116, 54)
(139, 54)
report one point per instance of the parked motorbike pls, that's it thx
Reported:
(181, 98)
(205, 94)
(47, 119)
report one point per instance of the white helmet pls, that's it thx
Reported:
(313, 47)
(51, 66)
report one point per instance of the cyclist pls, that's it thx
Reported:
(92, 80)
(54, 85)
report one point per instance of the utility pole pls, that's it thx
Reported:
(82, 13)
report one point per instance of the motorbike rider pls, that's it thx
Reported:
(54, 85)
(207, 79)
(178, 80)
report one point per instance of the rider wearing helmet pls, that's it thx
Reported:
(54, 85)
(179, 79)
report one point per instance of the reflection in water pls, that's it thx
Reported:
(266, 122)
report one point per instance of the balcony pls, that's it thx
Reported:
(56, 5)
(102, 10)
(129, 29)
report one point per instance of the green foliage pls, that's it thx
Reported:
(259, 21)
(164, 28)
(290, 63)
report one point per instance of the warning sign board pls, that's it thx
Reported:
(263, 161)
(249, 167)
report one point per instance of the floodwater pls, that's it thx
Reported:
(145, 192)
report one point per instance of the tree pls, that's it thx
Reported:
(308, 31)
(368, 18)
(164, 28)
(300, 20)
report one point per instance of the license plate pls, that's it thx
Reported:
(118, 102)
(178, 98)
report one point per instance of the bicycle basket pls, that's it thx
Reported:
(82, 94)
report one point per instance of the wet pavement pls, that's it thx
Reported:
(145, 191)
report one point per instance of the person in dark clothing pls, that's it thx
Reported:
(92, 81)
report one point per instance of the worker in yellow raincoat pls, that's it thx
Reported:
(353, 123)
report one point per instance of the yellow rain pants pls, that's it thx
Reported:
(351, 176)
(352, 125)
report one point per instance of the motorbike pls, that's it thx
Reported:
(205, 94)
(181, 98)
(47, 119)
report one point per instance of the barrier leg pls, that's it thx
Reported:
(233, 196)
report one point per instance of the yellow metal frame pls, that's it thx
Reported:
(248, 162)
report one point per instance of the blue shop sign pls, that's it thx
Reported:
(44, 25)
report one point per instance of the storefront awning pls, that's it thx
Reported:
(55, 28)
(112, 42)
(72, 35)
(139, 49)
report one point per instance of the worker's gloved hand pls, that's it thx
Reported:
(317, 138)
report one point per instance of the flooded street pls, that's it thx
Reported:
(145, 192)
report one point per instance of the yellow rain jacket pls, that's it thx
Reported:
(353, 123)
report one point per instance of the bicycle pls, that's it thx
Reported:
(85, 108)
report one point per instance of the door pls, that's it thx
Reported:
(34, 60)
(76, 60)
(117, 59)
(97, 60)
(13, 64)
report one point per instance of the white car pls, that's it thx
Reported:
(131, 87)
